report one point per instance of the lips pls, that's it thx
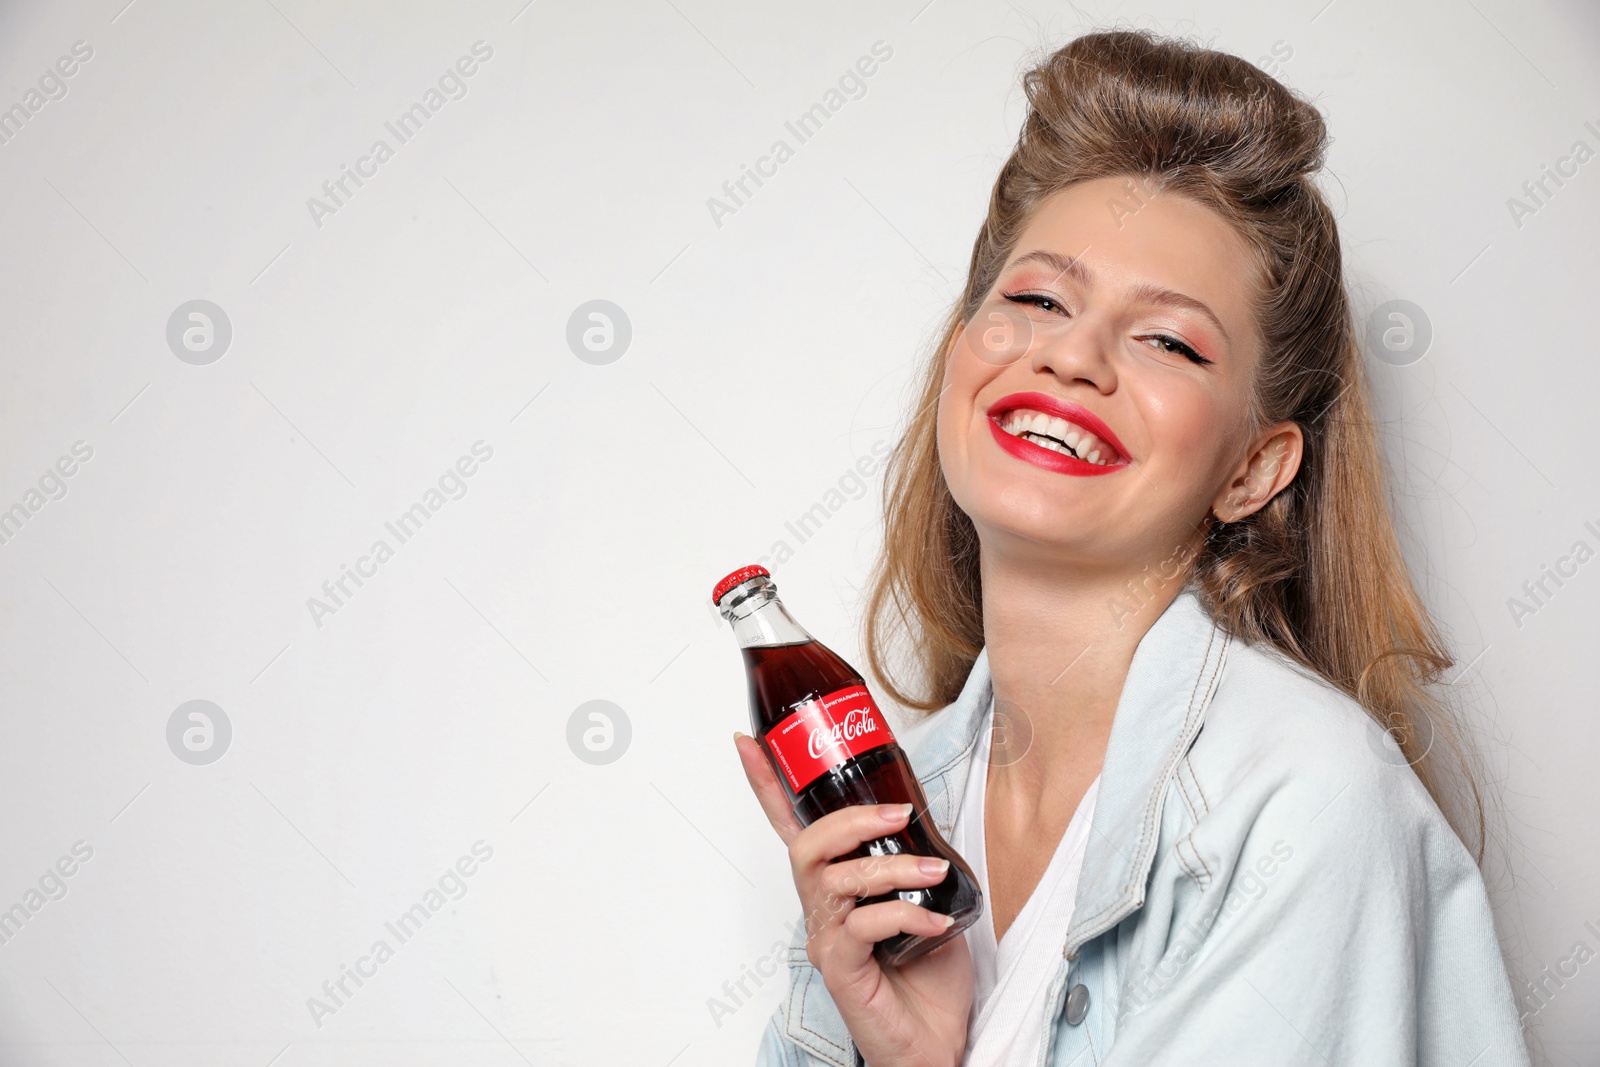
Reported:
(1055, 457)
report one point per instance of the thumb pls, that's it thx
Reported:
(764, 783)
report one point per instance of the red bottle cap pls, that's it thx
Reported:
(743, 574)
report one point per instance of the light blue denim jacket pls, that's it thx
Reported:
(1266, 882)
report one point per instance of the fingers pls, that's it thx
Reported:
(865, 927)
(829, 889)
(878, 921)
(768, 790)
(873, 875)
(841, 832)
(831, 836)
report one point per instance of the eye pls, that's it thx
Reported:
(1171, 344)
(1038, 300)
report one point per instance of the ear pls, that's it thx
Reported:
(1270, 465)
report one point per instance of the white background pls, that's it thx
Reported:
(768, 353)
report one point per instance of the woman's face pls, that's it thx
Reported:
(1094, 408)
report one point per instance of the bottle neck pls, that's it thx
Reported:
(759, 618)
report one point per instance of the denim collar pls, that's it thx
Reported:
(1159, 713)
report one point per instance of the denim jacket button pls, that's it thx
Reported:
(1077, 1004)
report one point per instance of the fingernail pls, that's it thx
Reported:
(738, 734)
(948, 921)
(931, 866)
(896, 813)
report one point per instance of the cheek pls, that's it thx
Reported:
(963, 378)
(950, 435)
(1192, 428)
(962, 373)
(957, 418)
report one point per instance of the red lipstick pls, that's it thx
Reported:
(1051, 460)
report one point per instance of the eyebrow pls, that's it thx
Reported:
(1074, 268)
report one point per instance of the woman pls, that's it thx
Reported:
(1137, 549)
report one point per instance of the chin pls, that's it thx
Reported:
(1067, 525)
(1024, 515)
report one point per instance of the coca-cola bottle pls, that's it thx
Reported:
(831, 747)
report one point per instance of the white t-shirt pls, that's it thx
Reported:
(1011, 979)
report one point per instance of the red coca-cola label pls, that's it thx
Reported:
(819, 735)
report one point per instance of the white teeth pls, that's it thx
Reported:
(1056, 434)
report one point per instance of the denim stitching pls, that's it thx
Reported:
(1195, 778)
(1188, 839)
(1188, 719)
(1188, 801)
(805, 984)
(1183, 861)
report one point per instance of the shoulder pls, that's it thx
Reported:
(1285, 752)
(1273, 724)
(1304, 865)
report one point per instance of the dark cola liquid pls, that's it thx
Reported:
(783, 676)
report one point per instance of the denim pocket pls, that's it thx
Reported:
(811, 1020)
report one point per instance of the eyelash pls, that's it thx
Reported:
(1039, 300)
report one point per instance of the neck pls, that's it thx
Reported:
(1059, 644)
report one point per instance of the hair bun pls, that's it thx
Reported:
(1128, 97)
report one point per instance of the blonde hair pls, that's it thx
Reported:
(1317, 572)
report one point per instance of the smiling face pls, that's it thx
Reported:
(1095, 407)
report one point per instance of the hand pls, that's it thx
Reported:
(911, 1016)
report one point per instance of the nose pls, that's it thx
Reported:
(1079, 350)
